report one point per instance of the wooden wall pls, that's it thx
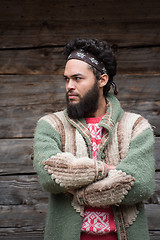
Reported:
(32, 36)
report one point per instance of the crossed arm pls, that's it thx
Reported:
(72, 173)
(94, 184)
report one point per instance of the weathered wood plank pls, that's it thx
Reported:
(28, 11)
(31, 89)
(21, 233)
(25, 189)
(34, 61)
(20, 121)
(153, 215)
(138, 87)
(25, 234)
(32, 218)
(41, 89)
(155, 198)
(51, 61)
(24, 34)
(148, 63)
(157, 153)
(26, 25)
(15, 156)
(154, 235)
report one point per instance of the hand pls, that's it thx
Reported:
(111, 190)
(71, 172)
(110, 167)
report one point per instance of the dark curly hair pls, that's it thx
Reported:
(102, 51)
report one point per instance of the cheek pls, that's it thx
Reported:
(84, 88)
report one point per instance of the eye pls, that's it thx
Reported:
(78, 78)
(66, 79)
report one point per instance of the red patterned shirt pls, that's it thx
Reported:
(97, 220)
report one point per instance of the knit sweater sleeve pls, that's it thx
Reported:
(57, 170)
(46, 144)
(119, 187)
(140, 163)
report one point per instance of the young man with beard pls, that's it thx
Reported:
(94, 159)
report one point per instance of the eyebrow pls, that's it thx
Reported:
(74, 75)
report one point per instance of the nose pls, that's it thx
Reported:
(70, 85)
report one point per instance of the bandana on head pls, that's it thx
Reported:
(88, 58)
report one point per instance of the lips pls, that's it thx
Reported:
(72, 95)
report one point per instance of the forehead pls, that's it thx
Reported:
(74, 66)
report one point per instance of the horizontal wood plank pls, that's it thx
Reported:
(138, 60)
(26, 234)
(20, 233)
(51, 61)
(154, 235)
(20, 121)
(153, 215)
(31, 89)
(157, 153)
(15, 156)
(25, 189)
(127, 23)
(155, 198)
(20, 90)
(138, 87)
(27, 34)
(87, 9)
(15, 219)
(31, 217)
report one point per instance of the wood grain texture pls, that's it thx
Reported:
(24, 99)
(51, 61)
(20, 121)
(20, 233)
(21, 190)
(54, 23)
(30, 217)
(32, 37)
(14, 224)
(25, 190)
(15, 156)
(134, 11)
(21, 90)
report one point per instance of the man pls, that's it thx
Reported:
(94, 159)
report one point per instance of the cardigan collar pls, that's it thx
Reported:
(113, 114)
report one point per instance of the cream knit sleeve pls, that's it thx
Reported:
(108, 191)
(71, 172)
(131, 182)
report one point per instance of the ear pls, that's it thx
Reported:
(103, 80)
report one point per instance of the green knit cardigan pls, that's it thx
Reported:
(134, 149)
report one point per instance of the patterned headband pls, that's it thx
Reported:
(88, 58)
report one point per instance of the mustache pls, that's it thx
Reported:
(72, 92)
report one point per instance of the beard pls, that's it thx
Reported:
(87, 105)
